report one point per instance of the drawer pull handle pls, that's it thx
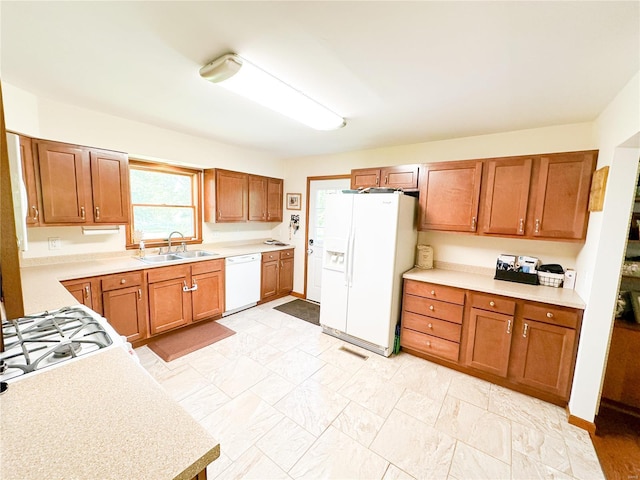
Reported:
(430, 325)
(525, 330)
(123, 281)
(433, 292)
(509, 326)
(431, 308)
(549, 315)
(492, 303)
(428, 343)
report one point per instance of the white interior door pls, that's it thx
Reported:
(318, 190)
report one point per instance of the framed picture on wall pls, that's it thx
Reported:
(293, 201)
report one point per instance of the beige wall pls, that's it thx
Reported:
(44, 118)
(603, 252)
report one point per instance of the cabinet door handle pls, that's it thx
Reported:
(194, 286)
(386, 179)
(185, 288)
(549, 315)
(474, 222)
(377, 181)
(525, 330)
(509, 326)
(521, 226)
(86, 291)
(82, 213)
(139, 294)
(35, 212)
(492, 303)
(97, 213)
(537, 229)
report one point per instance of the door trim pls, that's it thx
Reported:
(306, 227)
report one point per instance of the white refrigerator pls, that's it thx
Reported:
(369, 242)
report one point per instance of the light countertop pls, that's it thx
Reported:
(485, 283)
(101, 416)
(42, 290)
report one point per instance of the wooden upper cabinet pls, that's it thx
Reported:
(449, 196)
(238, 197)
(257, 198)
(79, 185)
(506, 196)
(562, 195)
(110, 186)
(29, 177)
(65, 183)
(401, 176)
(226, 196)
(274, 199)
(365, 177)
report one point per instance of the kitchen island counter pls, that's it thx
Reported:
(484, 283)
(100, 416)
(41, 277)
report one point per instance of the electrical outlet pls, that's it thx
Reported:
(54, 243)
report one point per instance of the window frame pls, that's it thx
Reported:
(196, 200)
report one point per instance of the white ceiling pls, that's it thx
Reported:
(400, 72)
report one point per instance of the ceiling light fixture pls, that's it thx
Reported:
(244, 78)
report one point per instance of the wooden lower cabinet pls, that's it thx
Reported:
(527, 346)
(85, 291)
(276, 279)
(169, 298)
(124, 300)
(622, 378)
(489, 342)
(431, 326)
(208, 299)
(182, 294)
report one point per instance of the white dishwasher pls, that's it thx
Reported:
(242, 282)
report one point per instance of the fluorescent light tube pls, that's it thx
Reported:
(244, 78)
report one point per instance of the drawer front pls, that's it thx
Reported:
(286, 254)
(432, 326)
(168, 273)
(566, 317)
(437, 292)
(270, 256)
(428, 344)
(493, 303)
(121, 280)
(433, 308)
(207, 267)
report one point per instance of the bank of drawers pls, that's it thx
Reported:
(432, 319)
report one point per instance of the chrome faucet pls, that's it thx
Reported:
(184, 245)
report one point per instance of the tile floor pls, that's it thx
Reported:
(286, 402)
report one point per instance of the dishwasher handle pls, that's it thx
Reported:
(242, 259)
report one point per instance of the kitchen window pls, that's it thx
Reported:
(164, 199)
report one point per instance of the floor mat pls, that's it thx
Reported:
(307, 311)
(179, 343)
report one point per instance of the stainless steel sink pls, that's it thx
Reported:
(196, 254)
(167, 257)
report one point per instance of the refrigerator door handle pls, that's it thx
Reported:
(346, 261)
(351, 250)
